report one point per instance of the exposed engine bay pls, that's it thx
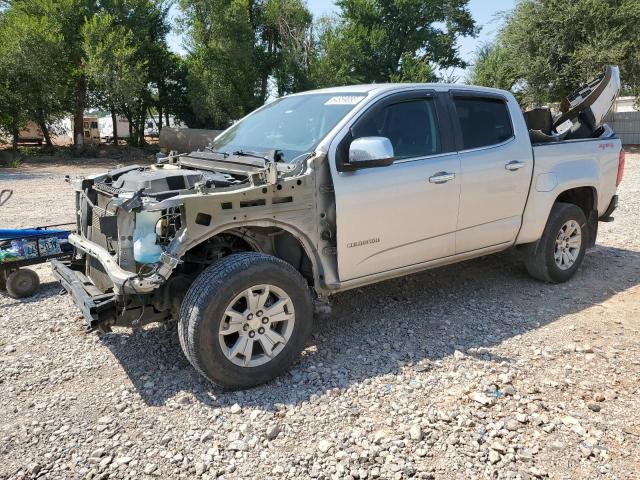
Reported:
(114, 200)
(133, 214)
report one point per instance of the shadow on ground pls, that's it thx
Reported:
(417, 319)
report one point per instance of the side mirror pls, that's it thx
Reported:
(368, 152)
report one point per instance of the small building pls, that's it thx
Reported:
(106, 127)
(31, 133)
(90, 130)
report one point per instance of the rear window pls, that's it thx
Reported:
(483, 121)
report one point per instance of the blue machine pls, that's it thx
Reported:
(29, 246)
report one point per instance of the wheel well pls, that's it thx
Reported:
(583, 197)
(586, 199)
(270, 240)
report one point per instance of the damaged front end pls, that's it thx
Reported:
(132, 234)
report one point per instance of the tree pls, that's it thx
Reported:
(285, 46)
(237, 48)
(387, 40)
(12, 101)
(223, 75)
(66, 19)
(126, 56)
(174, 96)
(116, 76)
(552, 46)
(492, 68)
(34, 79)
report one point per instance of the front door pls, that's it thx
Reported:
(405, 213)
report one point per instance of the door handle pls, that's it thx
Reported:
(441, 177)
(514, 165)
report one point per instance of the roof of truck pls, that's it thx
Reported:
(382, 87)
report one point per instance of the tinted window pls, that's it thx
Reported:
(411, 126)
(483, 121)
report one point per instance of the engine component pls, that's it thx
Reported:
(145, 247)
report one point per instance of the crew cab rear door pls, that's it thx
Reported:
(403, 214)
(496, 163)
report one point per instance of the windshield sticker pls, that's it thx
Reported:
(344, 100)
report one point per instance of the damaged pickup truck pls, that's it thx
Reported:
(320, 192)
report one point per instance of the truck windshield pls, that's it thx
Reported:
(294, 125)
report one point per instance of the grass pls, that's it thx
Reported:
(12, 163)
(10, 159)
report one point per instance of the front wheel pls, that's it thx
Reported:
(561, 249)
(245, 319)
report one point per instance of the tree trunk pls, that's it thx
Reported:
(45, 131)
(161, 102)
(80, 101)
(15, 136)
(141, 124)
(114, 122)
(141, 140)
(130, 120)
(266, 70)
(166, 118)
(263, 87)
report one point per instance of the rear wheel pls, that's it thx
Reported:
(245, 319)
(561, 249)
(22, 283)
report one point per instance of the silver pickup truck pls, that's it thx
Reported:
(320, 192)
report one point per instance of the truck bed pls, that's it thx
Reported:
(585, 163)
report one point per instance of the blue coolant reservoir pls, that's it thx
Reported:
(145, 248)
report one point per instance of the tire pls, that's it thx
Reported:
(541, 263)
(225, 288)
(22, 283)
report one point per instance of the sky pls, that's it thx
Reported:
(483, 11)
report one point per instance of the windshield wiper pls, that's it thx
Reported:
(242, 153)
(224, 154)
(271, 156)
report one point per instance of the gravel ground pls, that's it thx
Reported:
(469, 371)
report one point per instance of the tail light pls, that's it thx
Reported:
(620, 167)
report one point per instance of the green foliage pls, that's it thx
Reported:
(42, 51)
(551, 46)
(286, 45)
(173, 95)
(241, 52)
(238, 48)
(113, 61)
(126, 58)
(10, 159)
(413, 69)
(50, 50)
(391, 40)
(223, 74)
(493, 68)
(34, 78)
